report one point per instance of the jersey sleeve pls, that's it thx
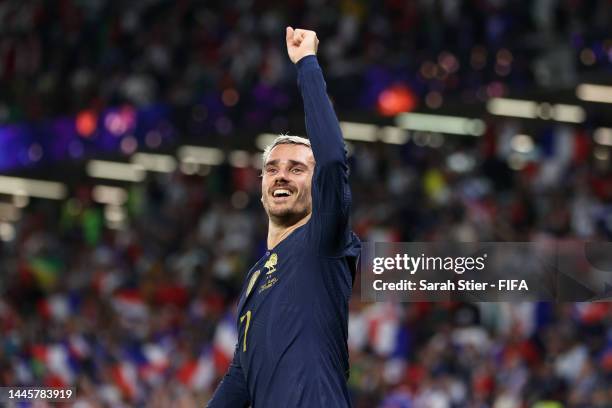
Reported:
(232, 391)
(331, 195)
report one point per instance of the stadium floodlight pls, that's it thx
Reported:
(594, 93)
(603, 136)
(513, 107)
(568, 113)
(109, 195)
(155, 162)
(32, 188)
(115, 170)
(441, 124)
(210, 156)
(361, 132)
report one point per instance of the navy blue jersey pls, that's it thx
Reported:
(293, 309)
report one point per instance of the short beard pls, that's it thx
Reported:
(288, 217)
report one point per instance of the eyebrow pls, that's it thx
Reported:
(293, 163)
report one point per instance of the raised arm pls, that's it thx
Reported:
(232, 390)
(331, 196)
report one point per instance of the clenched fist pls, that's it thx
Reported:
(301, 43)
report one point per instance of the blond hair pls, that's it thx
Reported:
(284, 139)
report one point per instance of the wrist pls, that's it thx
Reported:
(306, 61)
(304, 57)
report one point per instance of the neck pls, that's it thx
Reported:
(278, 232)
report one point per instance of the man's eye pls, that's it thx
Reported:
(296, 171)
(271, 170)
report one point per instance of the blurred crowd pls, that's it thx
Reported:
(229, 57)
(142, 313)
(133, 304)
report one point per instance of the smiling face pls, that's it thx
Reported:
(286, 182)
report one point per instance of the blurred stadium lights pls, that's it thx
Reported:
(534, 110)
(265, 139)
(568, 113)
(239, 158)
(33, 188)
(394, 135)
(601, 153)
(594, 93)
(513, 107)
(7, 231)
(109, 195)
(120, 121)
(256, 160)
(362, 132)
(20, 200)
(459, 162)
(155, 162)
(441, 124)
(9, 212)
(603, 136)
(115, 216)
(354, 131)
(201, 155)
(115, 170)
(522, 143)
(396, 99)
(86, 123)
(430, 139)
(190, 167)
(517, 161)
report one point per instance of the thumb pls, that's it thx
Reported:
(289, 34)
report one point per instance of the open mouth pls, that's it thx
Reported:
(281, 193)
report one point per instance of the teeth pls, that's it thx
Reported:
(281, 192)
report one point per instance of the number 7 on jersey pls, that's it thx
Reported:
(247, 315)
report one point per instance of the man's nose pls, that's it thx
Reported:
(281, 175)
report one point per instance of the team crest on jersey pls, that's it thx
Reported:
(271, 264)
(252, 281)
(270, 280)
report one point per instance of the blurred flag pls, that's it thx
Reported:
(78, 346)
(58, 307)
(224, 342)
(125, 376)
(592, 312)
(55, 359)
(130, 304)
(198, 374)
(386, 335)
(399, 398)
(155, 363)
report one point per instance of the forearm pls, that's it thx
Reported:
(322, 124)
(232, 390)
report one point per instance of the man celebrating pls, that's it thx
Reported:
(293, 309)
